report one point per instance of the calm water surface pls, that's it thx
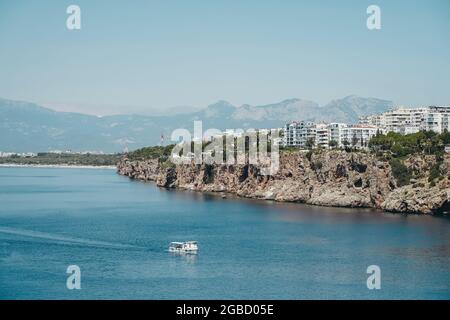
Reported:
(117, 231)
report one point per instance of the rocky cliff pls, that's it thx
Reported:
(327, 178)
(146, 170)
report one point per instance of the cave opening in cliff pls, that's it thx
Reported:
(445, 209)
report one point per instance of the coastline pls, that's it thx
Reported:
(333, 178)
(55, 166)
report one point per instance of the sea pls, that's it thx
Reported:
(115, 232)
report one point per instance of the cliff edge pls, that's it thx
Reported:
(323, 177)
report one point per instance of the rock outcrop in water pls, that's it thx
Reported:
(326, 178)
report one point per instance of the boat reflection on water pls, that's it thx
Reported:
(189, 257)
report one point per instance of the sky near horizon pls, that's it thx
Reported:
(144, 56)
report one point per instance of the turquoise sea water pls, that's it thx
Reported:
(118, 231)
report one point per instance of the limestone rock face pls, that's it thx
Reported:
(420, 197)
(419, 200)
(326, 178)
(141, 170)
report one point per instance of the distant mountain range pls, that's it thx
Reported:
(27, 127)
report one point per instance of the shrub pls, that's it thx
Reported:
(155, 152)
(317, 165)
(399, 145)
(208, 174)
(333, 144)
(435, 172)
(400, 172)
(283, 149)
(167, 164)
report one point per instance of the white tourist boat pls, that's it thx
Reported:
(184, 247)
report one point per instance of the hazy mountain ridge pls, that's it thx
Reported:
(29, 127)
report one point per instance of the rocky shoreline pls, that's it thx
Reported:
(326, 178)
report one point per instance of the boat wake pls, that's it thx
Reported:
(64, 239)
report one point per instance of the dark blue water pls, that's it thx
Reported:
(117, 231)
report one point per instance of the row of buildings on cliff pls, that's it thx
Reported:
(308, 134)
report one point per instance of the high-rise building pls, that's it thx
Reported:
(358, 136)
(307, 134)
(298, 134)
(322, 137)
(411, 120)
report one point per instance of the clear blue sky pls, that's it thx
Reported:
(139, 56)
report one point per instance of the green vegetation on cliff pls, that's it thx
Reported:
(162, 153)
(400, 172)
(156, 152)
(395, 148)
(398, 145)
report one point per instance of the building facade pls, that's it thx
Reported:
(402, 120)
(306, 135)
(358, 136)
(411, 120)
(298, 133)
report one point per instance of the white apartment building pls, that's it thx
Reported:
(411, 120)
(396, 120)
(322, 138)
(440, 109)
(336, 130)
(401, 120)
(357, 136)
(298, 133)
(437, 122)
(374, 120)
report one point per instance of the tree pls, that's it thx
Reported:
(310, 142)
(400, 172)
(354, 140)
(427, 142)
(446, 137)
(333, 144)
